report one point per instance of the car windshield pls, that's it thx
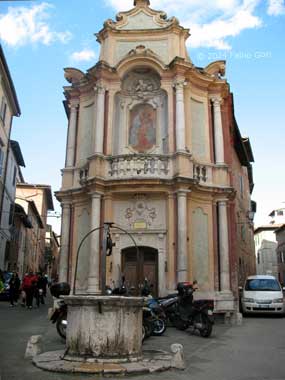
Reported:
(262, 284)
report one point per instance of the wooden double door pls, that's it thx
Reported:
(138, 266)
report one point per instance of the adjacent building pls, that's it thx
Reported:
(9, 107)
(14, 176)
(265, 248)
(51, 253)
(280, 250)
(153, 146)
(37, 201)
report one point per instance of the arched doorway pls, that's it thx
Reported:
(137, 269)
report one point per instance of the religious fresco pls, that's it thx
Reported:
(142, 132)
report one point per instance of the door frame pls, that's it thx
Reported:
(140, 252)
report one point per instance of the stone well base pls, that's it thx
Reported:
(151, 361)
(104, 327)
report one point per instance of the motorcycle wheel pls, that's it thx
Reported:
(147, 328)
(206, 330)
(60, 327)
(159, 327)
(179, 324)
(143, 333)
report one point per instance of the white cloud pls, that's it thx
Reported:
(214, 34)
(25, 25)
(211, 23)
(83, 55)
(276, 7)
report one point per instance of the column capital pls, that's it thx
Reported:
(65, 203)
(95, 195)
(179, 83)
(216, 100)
(73, 105)
(108, 196)
(100, 88)
(222, 202)
(183, 193)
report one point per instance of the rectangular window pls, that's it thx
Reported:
(14, 176)
(3, 109)
(1, 161)
(11, 214)
(241, 186)
(280, 213)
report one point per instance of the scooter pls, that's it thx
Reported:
(184, 313)
(59, 316)
(59, 312)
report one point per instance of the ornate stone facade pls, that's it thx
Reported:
(151, 142)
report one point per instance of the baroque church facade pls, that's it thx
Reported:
(152, 145)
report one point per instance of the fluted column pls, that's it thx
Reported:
(218, 131)
(224, 246)
(71, 139)
(182, 254)
(99, 117)
(180, 114)
(94, 258)
(64, 244)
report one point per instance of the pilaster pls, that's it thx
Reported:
(218, 131)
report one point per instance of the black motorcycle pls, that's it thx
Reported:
(59, 314)
(184, 313)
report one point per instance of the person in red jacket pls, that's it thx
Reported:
(28, 286)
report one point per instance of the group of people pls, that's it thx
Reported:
(33, 287)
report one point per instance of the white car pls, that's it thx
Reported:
(262, 294)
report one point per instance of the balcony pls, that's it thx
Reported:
(140, 166)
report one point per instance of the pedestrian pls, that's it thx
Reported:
(41, 286)
(28, 288)
(14, 286)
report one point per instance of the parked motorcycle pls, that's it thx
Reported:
(154, 320)
(184, 313)
(154, 317)
(59, 313)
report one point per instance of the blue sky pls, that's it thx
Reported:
(41, 38)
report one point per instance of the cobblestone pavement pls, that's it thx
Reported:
(254, 351)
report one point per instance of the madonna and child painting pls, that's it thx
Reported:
(142, 134)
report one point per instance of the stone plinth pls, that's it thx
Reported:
(104, 327)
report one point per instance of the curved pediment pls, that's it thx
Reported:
(216, 69)
(142, 54)
(141, 18)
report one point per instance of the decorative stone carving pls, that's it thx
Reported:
(141, 17)
(141, 84)
(73, 76)
(140, 212)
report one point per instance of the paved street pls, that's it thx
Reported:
(254, 351)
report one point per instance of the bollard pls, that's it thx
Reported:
(34, 346)
(178, 357)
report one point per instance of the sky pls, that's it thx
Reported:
(41, 38)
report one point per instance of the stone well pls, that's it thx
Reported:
(104, 327)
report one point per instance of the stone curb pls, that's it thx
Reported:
(158, 361)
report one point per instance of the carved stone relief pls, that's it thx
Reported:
(141, 84)
(140, 214)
